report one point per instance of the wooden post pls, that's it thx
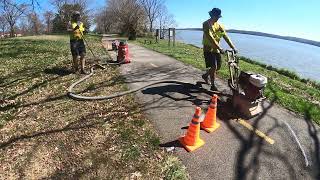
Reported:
(174, 37)
(169, 34)
(157, 35)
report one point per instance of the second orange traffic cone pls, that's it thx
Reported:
(191, 141)
(210, 123)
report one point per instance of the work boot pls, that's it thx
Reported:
(206, 79)
(75, 70)
(213, 88)
(82, 71)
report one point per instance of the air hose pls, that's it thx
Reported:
(91, 98)
(101, 66)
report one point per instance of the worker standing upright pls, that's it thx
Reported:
(77, 46)
(212, 33)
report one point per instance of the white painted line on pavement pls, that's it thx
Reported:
(153, 65)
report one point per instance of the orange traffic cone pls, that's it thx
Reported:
(209, 123)
(191, 141)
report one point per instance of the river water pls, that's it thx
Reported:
(301, 58)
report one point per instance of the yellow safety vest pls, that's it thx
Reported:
(77, 34)
(215, 31)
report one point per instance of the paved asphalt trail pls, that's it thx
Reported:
(231, 152)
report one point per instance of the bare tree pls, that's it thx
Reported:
(30, 3)
(152, 9)
(23, 25)
(103, 21)
(128, 15)
(35, 25)
(58, 4)
(100, 21)
(12, 12)
(65, 8)
(3, 24)
(34, 4)
(165, 19)
(132, 17)
(48, 16)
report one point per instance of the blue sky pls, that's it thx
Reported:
(300, 18)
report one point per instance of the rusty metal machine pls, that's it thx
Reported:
(247, 88)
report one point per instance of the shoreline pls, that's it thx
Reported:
(262, 34)
(282, 71)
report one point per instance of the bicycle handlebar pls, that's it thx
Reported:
(231, 51)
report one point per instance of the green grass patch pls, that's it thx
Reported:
(139, 123)
(292, 92)
(173, 170)
(131, 153)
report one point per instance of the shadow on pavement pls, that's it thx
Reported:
(174, 143)
(189, 91)
(248, 161)
(248, 158)
(312, 130)
(186, 90)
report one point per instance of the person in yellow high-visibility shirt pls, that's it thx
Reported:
(212, 33)
(77, 46)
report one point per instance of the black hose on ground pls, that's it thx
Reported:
(72, 95)
(91, 98)
(101, 66)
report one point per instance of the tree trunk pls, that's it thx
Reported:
(132, 33)
(151, 26)
(160, 30)
(11, 31)
(36, 29)
(48, 26)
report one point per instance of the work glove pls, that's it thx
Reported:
(235, 51)
(77, 27)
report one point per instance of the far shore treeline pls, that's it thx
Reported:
(289, 38)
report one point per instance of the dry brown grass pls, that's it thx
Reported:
(45, 134)
(44, 37)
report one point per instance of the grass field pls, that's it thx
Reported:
(296, 94)
(46, 135)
